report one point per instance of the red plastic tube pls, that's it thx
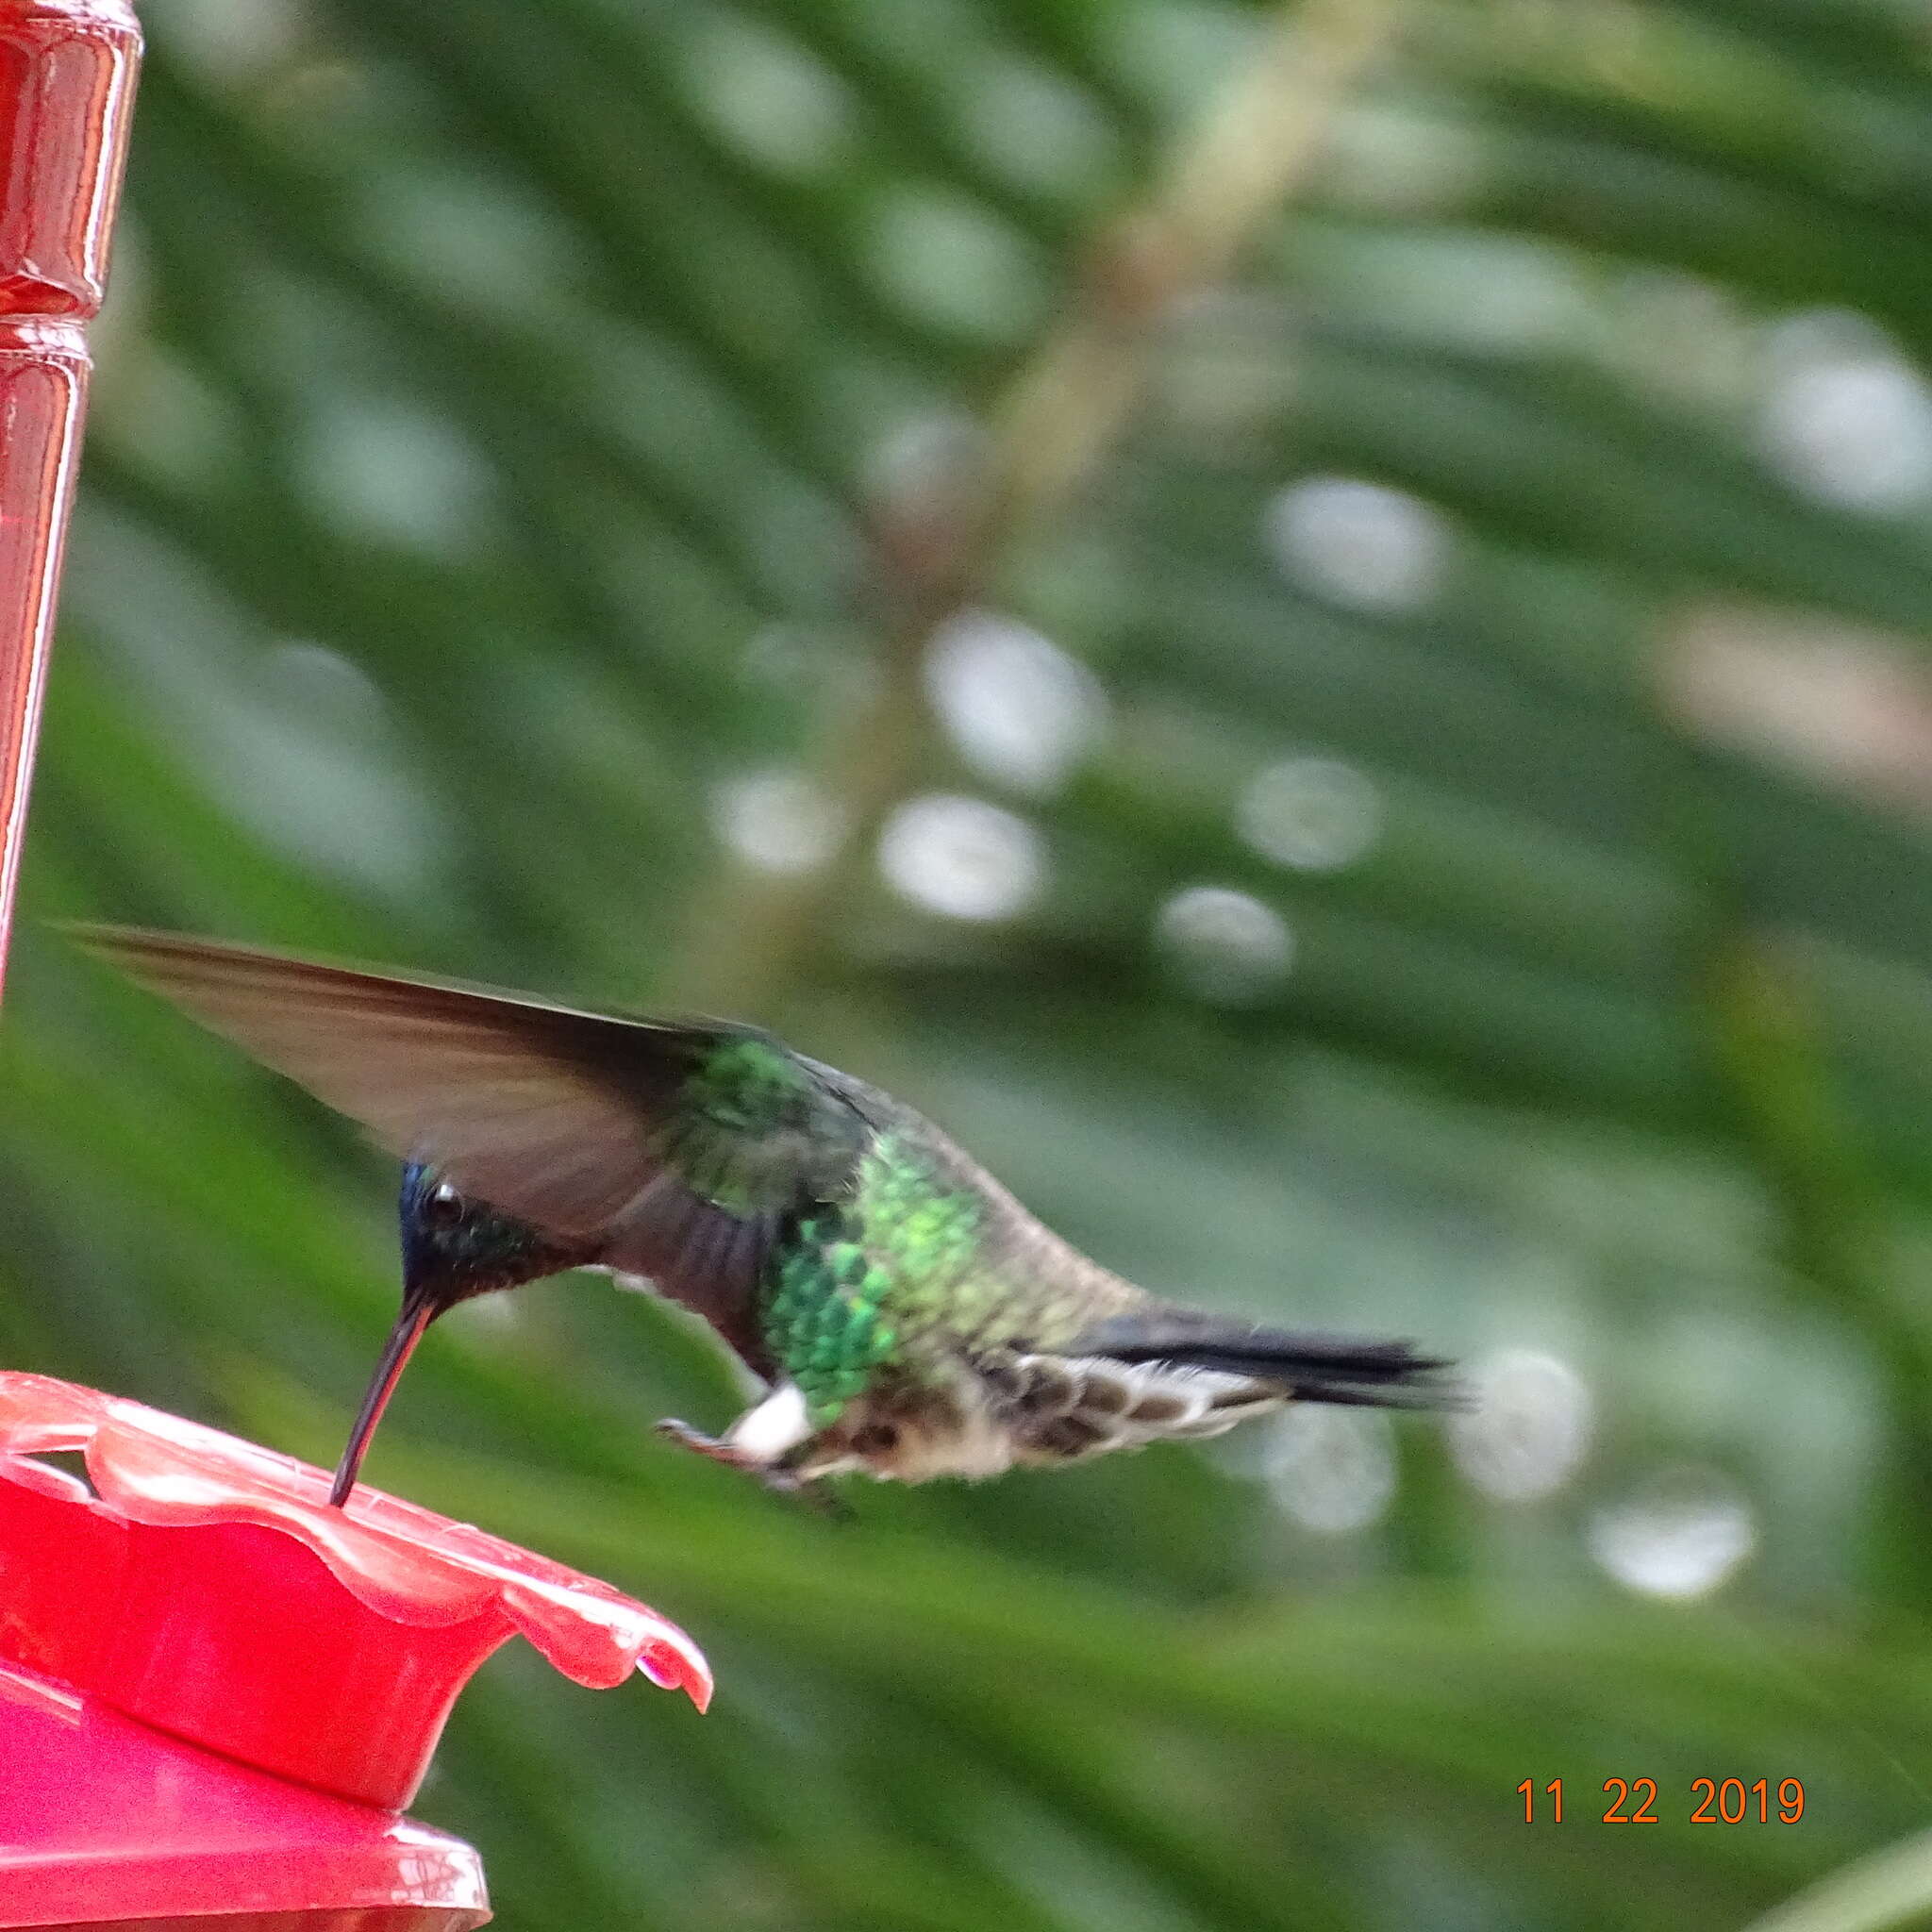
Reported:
(67, 70)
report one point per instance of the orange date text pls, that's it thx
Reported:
(1643, 1800)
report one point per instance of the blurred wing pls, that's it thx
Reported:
(681, 1146)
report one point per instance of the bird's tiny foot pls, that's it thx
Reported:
(775, 1476)
(715, 1447)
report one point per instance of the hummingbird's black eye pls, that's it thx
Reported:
(443, 1208)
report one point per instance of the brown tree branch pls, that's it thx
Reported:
(936, 550)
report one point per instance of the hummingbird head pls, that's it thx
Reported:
(454, 1247)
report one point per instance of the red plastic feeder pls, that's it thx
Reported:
(216, 1691)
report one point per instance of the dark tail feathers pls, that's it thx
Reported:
(1313, 1368)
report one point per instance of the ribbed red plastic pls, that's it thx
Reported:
(67, 71)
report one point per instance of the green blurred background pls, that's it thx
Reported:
(1425, 829)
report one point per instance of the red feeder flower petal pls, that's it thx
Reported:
(203, 1588)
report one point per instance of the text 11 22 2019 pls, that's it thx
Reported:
(1640, 1801)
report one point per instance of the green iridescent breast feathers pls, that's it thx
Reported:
(916, 1266)
(860, 1279)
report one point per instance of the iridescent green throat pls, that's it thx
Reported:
(856, 1280)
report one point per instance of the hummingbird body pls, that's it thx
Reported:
(904, 1314)
(931, 1327)
(907, 1316)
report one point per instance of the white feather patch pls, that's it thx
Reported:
(780, 1422)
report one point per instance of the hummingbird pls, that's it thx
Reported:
(897, 1311)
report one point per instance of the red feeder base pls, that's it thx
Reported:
(104, 1824)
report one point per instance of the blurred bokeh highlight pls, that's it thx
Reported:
(1390, 787)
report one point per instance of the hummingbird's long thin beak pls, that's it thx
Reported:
(418, 1312)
